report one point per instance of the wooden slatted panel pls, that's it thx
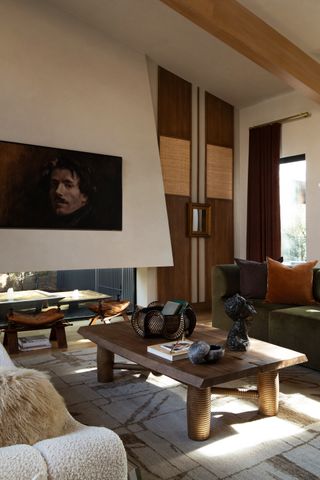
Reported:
(175, 282)
(219, 133)
(174, 105)
(174, 131)
(175, 163)
(219, 249)
(219, 121)
(219, 172)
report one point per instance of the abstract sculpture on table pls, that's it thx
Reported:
(240, 311)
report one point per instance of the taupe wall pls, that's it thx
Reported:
(64, 85)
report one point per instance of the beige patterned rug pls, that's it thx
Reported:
(149, 415)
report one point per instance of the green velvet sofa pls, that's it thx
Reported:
(290, 326)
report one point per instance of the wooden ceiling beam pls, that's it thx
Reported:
(246, 33)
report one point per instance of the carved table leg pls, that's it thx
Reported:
(198, 413)
(10, 341)
(58, 333)
(268, 388)
(105, 361)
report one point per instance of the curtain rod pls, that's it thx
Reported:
(298, 116)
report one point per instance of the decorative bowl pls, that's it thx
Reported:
(202, 352)
(198, 351)
(215, 353)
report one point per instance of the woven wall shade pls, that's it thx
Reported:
(175, 163)
(219, 172)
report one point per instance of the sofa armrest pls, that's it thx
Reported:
(225, 283)
(5, 360)
(316, 284)
(225, 280)
(93, 453)
(22, 462)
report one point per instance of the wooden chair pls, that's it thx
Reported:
(105, 310)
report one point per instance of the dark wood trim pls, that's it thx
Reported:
(198, 269)
(198, 144)
(293, 158)
(198, 191)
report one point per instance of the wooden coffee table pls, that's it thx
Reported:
(262, 359)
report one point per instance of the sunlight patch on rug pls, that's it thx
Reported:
(83, 370)
(303, 405)
(251, 434)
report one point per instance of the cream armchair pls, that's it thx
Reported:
(82, 453)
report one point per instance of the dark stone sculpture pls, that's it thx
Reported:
(240, 311)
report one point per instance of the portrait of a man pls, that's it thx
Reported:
(42, 187)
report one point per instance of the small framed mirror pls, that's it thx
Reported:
(199, 219)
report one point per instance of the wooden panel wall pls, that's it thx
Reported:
(174, 106)
(175, 135)
(219, 121)
(175, 282)
(174, 120)
(219, 132)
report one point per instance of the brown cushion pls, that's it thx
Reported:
(290, 285)
(253, 278)
(50, 316)
(110, 308)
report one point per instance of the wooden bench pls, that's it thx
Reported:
(57, 333)
(26, 321)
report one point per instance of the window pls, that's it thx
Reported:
(293, 208)
(117, 282)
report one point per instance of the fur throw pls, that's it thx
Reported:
(30, 407)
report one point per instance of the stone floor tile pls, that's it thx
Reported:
(157, 465)
(167, 450)
(306, 457)
(199, 473)
(78, 394)
(264, 471)
(136, 427)
(89, 414)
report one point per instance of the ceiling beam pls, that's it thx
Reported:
(246, 33)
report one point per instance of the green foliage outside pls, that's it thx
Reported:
(295, 243)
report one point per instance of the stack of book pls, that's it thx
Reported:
(171, 350)
(34, 342)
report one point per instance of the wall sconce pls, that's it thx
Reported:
(199, 219)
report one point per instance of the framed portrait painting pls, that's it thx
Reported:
(52, 188)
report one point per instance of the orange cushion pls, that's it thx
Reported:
(290, 285)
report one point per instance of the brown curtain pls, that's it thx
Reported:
(263, 219)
